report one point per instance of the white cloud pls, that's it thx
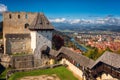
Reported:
(58, 20)
(3, 8)
(106, 20)
(100, 21)
(74, 21)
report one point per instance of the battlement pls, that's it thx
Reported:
(17, 22)
(18, 15)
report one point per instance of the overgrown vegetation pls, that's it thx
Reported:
(3, 74)
(61, 72)
(57, 42)
(94, 53)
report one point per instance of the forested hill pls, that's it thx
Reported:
(63, 35)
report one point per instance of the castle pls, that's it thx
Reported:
(31, 33)
(26, 32)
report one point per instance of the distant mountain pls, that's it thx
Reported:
(108, 23)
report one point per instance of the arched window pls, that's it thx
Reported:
(47, 23)
(41, 23)
(10, 16)
(26, 25)
(18, 16)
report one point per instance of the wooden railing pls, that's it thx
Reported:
(106, 69)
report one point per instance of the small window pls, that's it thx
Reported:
(47, 23)
(18, 16)
(10, 16)
(26, 25)
(41, 23)
(26, 16)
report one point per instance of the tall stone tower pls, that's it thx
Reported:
(41, 34)
(26, 32)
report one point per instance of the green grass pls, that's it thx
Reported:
(61, 72)
(3, 74)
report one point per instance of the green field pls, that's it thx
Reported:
(61, 72)
(3, 74)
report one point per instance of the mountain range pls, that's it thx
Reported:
(102, 24)
(107, 23)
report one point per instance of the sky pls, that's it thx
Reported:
(64, 8)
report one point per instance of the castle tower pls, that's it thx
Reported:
(41, 34)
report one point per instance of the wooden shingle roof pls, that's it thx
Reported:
(79, 58)
(109, 58)
(53, 53)
(41, 23)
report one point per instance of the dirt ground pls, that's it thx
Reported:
(41, 77)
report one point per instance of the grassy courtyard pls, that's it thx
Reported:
(61, 72)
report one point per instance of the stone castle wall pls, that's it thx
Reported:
(16, 23)
(18, 45)
(44, 38)
(26, 61)
(74, 69)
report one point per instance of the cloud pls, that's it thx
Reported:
(3, 8)
(58, 20)
(98, 21)
(74, 21)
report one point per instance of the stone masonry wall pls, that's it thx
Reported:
(44, 38)
(18, 45)
(14, 23)
(73, 68)
(26, 61)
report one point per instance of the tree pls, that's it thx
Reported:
(57, 42)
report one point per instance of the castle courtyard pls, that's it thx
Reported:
(58, 73)
(42, 77)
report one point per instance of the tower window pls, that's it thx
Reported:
(47, 23)
(26, 16)
(10, 16)
(18, 16)
(40, 22)
(26, 25)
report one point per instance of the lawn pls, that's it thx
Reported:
(3, 74)
(61, 72)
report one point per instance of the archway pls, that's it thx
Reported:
(45, 52)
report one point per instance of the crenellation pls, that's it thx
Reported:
(10, 25)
